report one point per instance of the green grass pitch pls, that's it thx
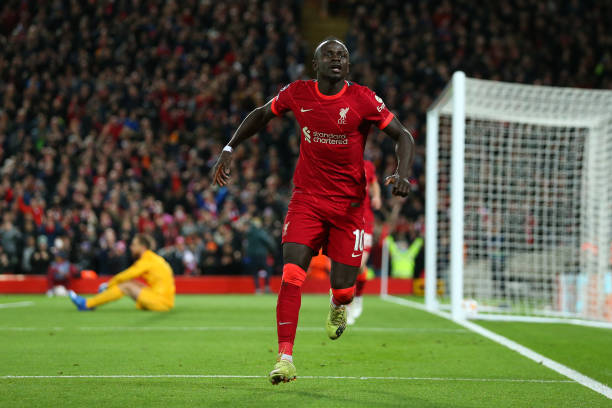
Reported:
(417, 359)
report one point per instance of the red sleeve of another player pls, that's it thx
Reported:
(283, 102)
(370, 172)
(375, 109)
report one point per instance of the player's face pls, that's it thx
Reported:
(332, 61)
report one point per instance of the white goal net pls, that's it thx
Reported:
(519, 204)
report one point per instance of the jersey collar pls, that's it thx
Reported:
(323, 96)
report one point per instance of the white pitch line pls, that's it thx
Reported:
(16, 304)
(234, 328)
(538, 319)
(513, 318)
(30, 328)
(524, 351)
(268, 328)
(415, 305)
(309, 377)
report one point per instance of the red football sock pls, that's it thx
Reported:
(343, 296)
(288, 307)
(361, 281)
(287, 313)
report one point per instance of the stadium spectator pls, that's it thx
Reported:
(26, 256)
(59, 275)
(41, 258)
(181, 258)
(5, 265)
(10, 239)
(259, 245)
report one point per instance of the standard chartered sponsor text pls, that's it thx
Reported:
(329, 138)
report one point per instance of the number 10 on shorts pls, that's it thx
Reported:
(358, 240)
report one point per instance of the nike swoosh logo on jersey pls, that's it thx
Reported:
(355, 255)
(284, 323)
(305, 110)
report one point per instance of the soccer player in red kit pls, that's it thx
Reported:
(326, 208)
(372, 201)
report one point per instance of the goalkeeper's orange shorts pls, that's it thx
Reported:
(150, 300)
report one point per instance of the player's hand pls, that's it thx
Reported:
(102, 287)
(401, 185)
(221, 171)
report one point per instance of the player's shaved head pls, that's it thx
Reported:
(327, 41)
(331, 60)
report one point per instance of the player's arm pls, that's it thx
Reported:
(253, 123)
(137, 269)
(396, 207)
(404, 150)
(375, 195)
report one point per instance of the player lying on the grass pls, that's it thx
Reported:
(326, 208)
(355, 308)
(157, 294)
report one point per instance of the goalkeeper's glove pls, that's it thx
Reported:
(102, 287)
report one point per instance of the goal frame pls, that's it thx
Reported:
(453, 100)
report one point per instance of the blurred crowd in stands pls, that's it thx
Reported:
(113, 112)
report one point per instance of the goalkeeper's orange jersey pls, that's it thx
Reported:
(153, 269)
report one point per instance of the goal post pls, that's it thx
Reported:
(519, 201)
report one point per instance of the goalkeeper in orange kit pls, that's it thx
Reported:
(157, 294)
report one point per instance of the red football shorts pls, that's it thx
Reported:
(334, 225)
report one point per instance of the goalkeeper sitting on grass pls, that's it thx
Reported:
(157, 295)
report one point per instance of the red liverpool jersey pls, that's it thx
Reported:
(370, 175)
(333, 135)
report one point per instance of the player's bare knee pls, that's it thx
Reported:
(343, 276)
(342, 282)
(297, 254)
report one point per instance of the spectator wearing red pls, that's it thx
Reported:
(60, 274)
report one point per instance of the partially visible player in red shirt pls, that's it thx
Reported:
(371, 201)
(326, 208)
